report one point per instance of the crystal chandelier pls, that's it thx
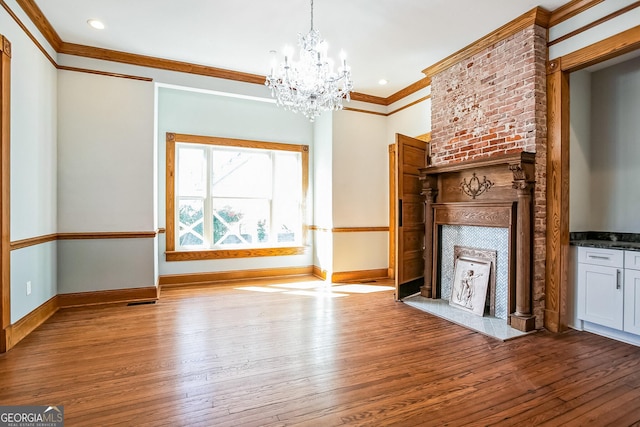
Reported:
(310, 85)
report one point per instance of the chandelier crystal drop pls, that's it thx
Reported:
(310, 85)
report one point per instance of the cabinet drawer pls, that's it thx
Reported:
(598, 256)
(632, 260)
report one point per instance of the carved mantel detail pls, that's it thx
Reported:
(475, 187)
(508, 204)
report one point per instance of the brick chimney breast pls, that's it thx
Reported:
(495, 103)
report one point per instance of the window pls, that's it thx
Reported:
(231, 198)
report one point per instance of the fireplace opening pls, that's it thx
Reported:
(488, 245)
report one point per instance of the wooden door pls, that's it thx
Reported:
(409, 225)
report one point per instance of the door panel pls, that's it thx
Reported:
(410, 157)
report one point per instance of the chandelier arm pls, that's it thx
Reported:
(310, 85)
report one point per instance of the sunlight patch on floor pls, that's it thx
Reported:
(301, 285)
(317, 289)
(258, 289)
(316, 294)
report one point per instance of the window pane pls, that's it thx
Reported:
(287, 221)
(287, 175)
(286, 216)
(237, 197)
(240, 221)
(192, 172)
(191, 222)
(241, 173)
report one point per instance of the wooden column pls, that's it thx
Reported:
(429, 192)
(522, 319)
(557, 197)
(5, 238)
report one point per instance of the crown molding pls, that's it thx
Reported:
(371, 99)
(537, 16)
(159, 63)
(412, 88)
(46, 29)
(595, 23)
(570, 10)
(41, 22)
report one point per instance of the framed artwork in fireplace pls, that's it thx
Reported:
(470, 284)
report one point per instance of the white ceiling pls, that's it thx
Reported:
(390, 39)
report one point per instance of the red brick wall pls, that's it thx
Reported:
(495, 103)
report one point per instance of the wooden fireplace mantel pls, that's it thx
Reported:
(491, 192)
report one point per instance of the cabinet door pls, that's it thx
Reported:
(632, 301)
(600, 295)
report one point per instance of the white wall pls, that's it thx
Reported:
(199, 113)
(33, 169)
(580, 152)
(323, 192)
(360, 190)
(412, 121)
(105, 181)
(615, 148)
(360, 170)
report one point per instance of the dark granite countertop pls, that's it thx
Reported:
(598, 239)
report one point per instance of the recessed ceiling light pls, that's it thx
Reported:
(94, 23)
(382, 82)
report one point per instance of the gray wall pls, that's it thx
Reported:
(615, 148)
(211, 114)
(33, 170)
(105, 181)
(605, 149)
(580, 155)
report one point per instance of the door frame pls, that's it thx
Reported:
(558, 142)
(5, 188)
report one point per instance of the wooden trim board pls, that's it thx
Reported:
(31, 321)
(111, 296)
(22, 328)
(361, 275)
(570, 10)
(173, 280)
(5, 192)
(319, 273)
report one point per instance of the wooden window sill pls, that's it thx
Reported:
(232, 253)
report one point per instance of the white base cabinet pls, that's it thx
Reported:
(600, 286)
(608, 289)
(632, 292)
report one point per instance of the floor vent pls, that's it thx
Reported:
(141, 303)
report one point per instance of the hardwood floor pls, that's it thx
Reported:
(247, 357)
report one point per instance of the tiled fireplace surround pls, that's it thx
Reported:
(493, 105)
